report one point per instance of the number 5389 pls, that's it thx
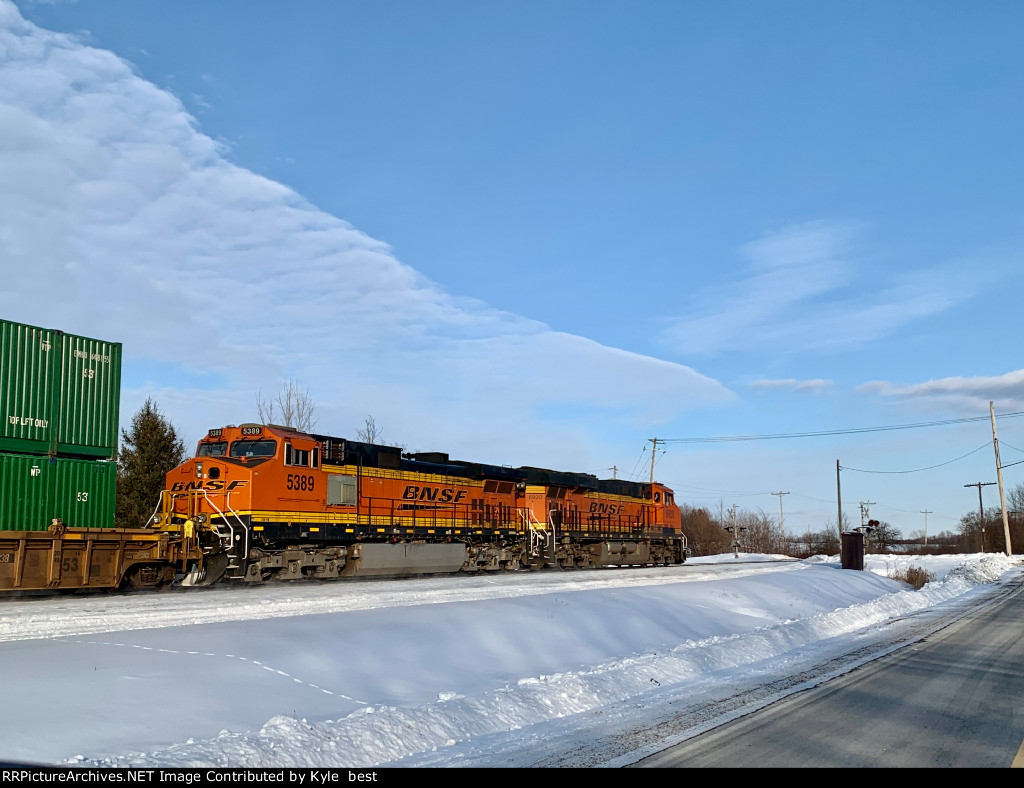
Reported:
(298, 481)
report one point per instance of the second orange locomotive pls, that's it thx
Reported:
(269, 501)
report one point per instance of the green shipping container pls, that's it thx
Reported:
(59, 393)
(26, 492)
(34, 490)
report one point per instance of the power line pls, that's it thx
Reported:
(692, 488)
(930, 467)
(643, 451)
(823, 433)
(710, 495)
(681, 489)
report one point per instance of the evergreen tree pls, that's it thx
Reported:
(148, 451)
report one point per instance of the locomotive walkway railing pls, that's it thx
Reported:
(538, 534)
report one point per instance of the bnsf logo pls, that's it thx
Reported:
(414, 492)
(607, 508)
(209, 485)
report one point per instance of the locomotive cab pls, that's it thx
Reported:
(237, 469)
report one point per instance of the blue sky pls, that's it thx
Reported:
(542, 233)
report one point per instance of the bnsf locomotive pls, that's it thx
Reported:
(266, 501)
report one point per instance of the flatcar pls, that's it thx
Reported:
(59, 409)
(271, 502)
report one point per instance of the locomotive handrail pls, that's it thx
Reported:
(227, 522)
(159, 505)
(532, 523)
(192, 497)
(382, 512)
(241, 524)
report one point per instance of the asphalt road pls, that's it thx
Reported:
(953, 699)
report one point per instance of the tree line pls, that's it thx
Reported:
(983, 531)
(708, 532)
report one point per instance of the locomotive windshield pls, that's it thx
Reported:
(253, 448)
(218, 449)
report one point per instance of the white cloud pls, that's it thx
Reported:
(118, 219)
(962, 394)
(791, 384)
(801, 290)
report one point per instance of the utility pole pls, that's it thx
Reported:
(654, 453)
(981, 510)
(839, 499)
(615, 471)
(782, 526)
(926, 512)
(999, 477)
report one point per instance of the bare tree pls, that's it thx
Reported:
(985, 533)
(823, 542)
(762, 534)
(293, 406)
(884, 537)
(707, 532)
(1015, 499)
(704, 534)
(370, 433)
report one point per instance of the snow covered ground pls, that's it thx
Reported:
(589, 668)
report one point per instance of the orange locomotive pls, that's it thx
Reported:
(268, 501)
